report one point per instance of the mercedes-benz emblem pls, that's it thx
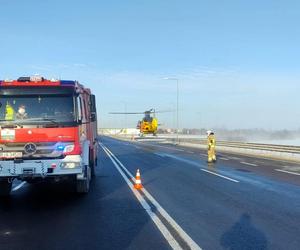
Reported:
(30, 148)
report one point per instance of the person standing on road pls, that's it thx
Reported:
(211, 147)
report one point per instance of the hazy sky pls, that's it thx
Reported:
(238, 62)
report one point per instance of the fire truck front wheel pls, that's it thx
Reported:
(83, 185)
(93, 164)
(5, 187)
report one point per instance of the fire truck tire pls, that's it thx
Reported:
(92, 166)
(92, 170)
(83, 186)
(5, 187)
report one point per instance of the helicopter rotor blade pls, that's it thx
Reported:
(164, 111)
(126, 113)
(151, 111)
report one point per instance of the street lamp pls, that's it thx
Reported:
(177, 104)
(125, 115)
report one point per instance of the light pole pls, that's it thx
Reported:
(125, 115)
(177, 105)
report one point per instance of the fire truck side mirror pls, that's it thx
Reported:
(93, 108)
(93, 117)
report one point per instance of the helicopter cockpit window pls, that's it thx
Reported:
(147, 119)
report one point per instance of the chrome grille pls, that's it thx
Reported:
(43, 149)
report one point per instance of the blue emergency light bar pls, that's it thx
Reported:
(67, 82)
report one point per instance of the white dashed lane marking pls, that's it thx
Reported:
(222, 176)
(223, 158)
(159, 154)
(234, 158)
(288, 172)
(249, 164)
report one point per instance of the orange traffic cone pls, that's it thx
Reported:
(138, 182)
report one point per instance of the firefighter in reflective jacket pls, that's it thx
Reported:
(211, 147)
(9, 112)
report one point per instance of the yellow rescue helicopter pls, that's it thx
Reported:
(149, 124)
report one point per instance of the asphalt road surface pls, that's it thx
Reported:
(238, 203)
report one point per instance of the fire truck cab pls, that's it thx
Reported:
(48, 131)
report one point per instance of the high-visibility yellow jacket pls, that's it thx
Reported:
(9, 112)
(211, 141)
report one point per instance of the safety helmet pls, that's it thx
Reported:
(208, 132)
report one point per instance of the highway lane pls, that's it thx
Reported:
(262, 166)
(47, 216)
(258, 211)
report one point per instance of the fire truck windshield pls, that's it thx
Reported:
(37, 109)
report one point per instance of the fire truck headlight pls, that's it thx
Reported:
(69, 148)
(70, 165)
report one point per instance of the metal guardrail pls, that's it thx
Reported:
(272, 151)
(246, 145)
(281, 151)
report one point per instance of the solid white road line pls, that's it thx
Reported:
(288, 172)
(162, 228)
(222, 176)
(250, 164)
(19, 186)
(163, 212)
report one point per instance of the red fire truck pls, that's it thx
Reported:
(48, 131)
